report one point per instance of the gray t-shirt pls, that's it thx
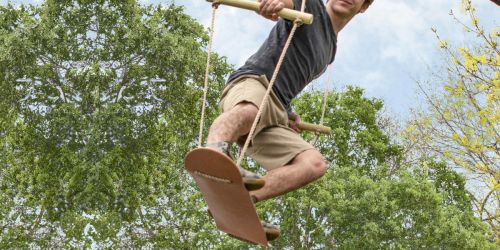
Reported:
(312, 49)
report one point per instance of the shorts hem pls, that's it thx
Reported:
(287, 160)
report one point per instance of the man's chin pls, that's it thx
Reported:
(341, 11)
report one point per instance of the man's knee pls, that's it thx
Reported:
(318, 166)
(314, 161)
(246, 109)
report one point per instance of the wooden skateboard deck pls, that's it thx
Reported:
(220, 182)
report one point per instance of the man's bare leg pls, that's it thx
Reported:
(231, 125)
(303, 169)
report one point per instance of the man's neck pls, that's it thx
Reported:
(338, 23)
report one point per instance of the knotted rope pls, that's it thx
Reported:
(207, 70)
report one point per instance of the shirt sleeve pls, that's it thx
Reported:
(297, 4)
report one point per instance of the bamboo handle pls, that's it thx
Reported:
(288, 14)
(314, 128)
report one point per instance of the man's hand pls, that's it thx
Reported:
(270, 8)
(294, 120)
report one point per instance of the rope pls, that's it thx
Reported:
(207, 70)
(263, 105)
(325, 98)
(323, 110)
(213, 178)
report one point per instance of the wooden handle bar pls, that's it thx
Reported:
(314, 128)
(288, 14)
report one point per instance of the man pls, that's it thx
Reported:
(276, 145)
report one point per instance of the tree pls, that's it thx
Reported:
(462, 126)
(97, 100)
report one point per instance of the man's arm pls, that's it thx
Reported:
(270, 8)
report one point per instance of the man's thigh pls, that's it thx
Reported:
(247, 90)
(252, 90)
(274, 147)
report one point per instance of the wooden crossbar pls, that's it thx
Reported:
(288, 14)
(314, 128)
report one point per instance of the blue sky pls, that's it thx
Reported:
(385, 50)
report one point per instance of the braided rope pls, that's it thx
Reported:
(213, 178)
(207, 70)
(325, 98)
(325, 102)
(264, 102)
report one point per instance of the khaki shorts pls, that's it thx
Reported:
(274, 144)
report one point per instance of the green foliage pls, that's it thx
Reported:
(97, 101)
(356, 138)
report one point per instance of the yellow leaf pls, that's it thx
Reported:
(471, 65)
(465, 141)
(482, 117)
(493, 182)
(482, 59)
(496, 83)
(495, 117)
(460, 89)
(447, 154)
(447, 115)
(443, 44)
(482, 167)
